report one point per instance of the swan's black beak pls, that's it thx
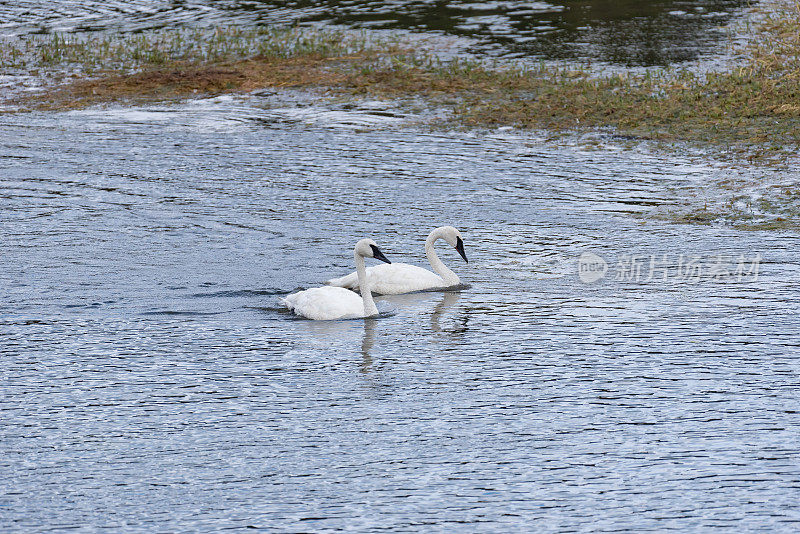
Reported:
(460, 249)
(378, 255)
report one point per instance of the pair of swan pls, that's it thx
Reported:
(336, 301)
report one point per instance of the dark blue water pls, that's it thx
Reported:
(150, 381)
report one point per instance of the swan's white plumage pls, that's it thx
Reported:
(325, 303)
(399, 278)
(393, 279)
(329, 303)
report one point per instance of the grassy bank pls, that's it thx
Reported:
(80, 71)
(754, 106)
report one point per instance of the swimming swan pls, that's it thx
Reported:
(399, 278)
(327, 303)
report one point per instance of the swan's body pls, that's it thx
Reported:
(402, 278)
(325, 303)
(328, 303)
(399, 278)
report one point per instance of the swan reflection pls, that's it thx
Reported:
(439, 308)
(447, 302)
(330, 334)
(420, 304)
(367, 342)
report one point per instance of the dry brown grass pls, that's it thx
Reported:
(174, 64)
(181, 81)
(754, 105)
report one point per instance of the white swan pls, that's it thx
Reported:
(327, 303)
(399, 278)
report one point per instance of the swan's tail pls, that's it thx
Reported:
(350, 281)
(286, 301)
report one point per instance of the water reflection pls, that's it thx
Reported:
(346, 336)
(440, 310)
(524, 388)
(436, 306)
(367, 342)
(627, 32)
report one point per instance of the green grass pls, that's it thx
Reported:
(751, 110)
(155, 49)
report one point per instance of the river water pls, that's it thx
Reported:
(151, 382)
(623, 32)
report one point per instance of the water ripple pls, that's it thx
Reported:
(144, 353)
(630, 33)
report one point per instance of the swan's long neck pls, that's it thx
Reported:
(450, 278)
(363, 283)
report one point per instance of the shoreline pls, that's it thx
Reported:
(746, 115)
(752, 109)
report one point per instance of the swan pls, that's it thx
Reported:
(327, 303)
(399, 278)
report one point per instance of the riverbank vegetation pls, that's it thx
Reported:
(754, 106)
(79, 70)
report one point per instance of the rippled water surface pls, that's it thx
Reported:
(151, 382)
(626, 32)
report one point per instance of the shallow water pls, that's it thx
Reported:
(625, 32)
(151, 382)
